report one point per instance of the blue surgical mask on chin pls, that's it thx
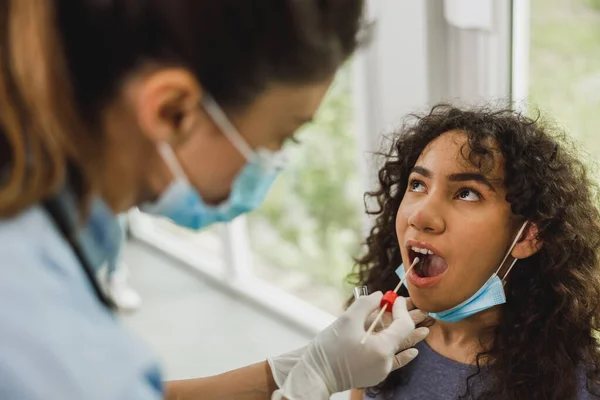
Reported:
(489, 295)
(181, 202)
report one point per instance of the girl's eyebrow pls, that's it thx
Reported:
(459, 177)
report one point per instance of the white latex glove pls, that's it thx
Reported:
(406, 353)
(336, 360)
(282, 365)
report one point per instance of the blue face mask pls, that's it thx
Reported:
(489, 295)
(181, 202)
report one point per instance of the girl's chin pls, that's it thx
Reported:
(426, 305)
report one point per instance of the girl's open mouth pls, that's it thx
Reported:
(431, 267)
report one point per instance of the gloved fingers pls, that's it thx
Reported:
(406, 351)
(399, 310)
(384, 322)
(370, 319)
(403, 358)
(361, 308)
(409, 304)
(413, 338)
(402, 325)
(418, 316)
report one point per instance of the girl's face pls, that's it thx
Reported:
(459, 216)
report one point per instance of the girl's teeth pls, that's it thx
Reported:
(422, 251)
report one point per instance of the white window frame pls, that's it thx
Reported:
(411, 63)
(521, 38)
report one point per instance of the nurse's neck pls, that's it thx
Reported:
(461, 341)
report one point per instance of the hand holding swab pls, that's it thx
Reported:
(385, 306)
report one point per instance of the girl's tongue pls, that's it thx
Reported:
(430, 266)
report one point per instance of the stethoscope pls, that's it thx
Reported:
(52, 206)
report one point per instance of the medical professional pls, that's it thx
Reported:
(180, 107)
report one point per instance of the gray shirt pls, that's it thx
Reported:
(433, 376)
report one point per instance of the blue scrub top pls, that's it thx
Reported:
(57, 340)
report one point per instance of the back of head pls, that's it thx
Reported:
(63, 61)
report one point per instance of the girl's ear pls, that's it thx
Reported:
(529, 243)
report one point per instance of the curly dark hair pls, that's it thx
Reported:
(547, 333)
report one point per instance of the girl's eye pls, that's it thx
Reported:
(469, 195)
(416, 186)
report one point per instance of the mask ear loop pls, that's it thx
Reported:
(230, 131)
(512, 246)
(509, 269)
(268, 159)
(168, 155)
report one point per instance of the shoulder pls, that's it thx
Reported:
(56, 340)
(30, 236)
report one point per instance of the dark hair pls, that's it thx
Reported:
(62, 61)
(547, 328)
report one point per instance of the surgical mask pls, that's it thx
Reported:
(489, 295)
(181, 202)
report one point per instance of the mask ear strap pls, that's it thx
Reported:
(512, 246)
(230, 131)
(168, 155)
(509, 269)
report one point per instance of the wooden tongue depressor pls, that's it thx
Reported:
(374, 323)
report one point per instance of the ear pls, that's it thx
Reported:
(167, 104)
(528, 244)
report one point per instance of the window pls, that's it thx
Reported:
(204, 247)
(304, 236)
(564, 66)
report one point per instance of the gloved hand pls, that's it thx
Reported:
(282, 365)
(336, 360)
(406, 353)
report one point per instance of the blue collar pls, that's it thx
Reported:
(100, 237)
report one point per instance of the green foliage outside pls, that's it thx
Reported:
(594, 4)
(311, 221)
(565, 66)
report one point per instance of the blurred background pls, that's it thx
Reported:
(234, 294)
